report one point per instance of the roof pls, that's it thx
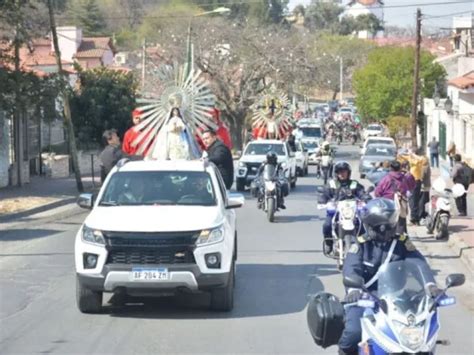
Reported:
(463, 82)
(164, 165)
(365, 2)
(93, 47)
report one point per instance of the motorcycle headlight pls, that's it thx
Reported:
(242, 164)
(92, 236)
(211, 236)
(284, 165)
(270, 185)
(411, 337)
(347, 212)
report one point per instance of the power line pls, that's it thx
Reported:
(429, 17)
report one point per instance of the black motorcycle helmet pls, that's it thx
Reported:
(380, 218)
(272, 158)
(341, 166)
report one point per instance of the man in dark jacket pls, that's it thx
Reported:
(111, 154)
(220, 155)
(457, 174)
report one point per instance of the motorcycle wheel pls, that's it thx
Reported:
(271, 209)
(442, 228)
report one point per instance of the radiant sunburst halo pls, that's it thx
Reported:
(170, 87)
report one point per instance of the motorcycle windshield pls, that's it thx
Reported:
(401, 285)
(269, 172)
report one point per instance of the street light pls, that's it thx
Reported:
(448, 105)
(436, 97)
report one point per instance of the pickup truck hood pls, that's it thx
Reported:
(154, 218)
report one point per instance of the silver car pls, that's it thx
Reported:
(375, 154)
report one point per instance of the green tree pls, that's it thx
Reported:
(104, 100)
(87, 15)
(384, 85)
(323, 16)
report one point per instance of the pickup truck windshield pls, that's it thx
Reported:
(263, 149)
(190, 188)
(313, 132)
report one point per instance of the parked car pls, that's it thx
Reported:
(375, 154)
(302, 159)
(156, 229)
(377, 140)
(373, 130)
(255, 154)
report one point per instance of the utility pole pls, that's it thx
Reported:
(416, 83)
(67, 107)
(18, 114)
(341, 79)
(143, 64)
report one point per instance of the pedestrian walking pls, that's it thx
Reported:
(425, 189)
(220, 155)
(394, 186)
(451, 152)
(434, 152)
(461, 174)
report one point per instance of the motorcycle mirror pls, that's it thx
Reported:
(353, 281)
(370, 189)
(320, 189)
(454, 280)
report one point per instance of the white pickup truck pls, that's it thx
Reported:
(255, 154)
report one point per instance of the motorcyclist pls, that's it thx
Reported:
(324, 151)
(272, 159)
(340, 188)
(365, 258)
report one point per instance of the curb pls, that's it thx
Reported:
(465, 252)
(12, 217)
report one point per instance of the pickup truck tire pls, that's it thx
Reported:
(88, 301)
(222, 298)
(240, 185)
(306, 170)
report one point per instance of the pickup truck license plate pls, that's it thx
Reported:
(141, 274)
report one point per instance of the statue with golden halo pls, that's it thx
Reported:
(271, 118)
(172, 112)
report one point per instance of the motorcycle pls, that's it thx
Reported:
(269, 191)
(354, 137)
(339, 137)
(439, 208)
(345, 226)
(401, 317)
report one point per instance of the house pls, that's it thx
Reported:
(365, 7)
(357, 8)
(463, 34)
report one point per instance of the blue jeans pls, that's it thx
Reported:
(352, 333)
(434, 160)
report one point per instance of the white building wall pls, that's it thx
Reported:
(69, 40)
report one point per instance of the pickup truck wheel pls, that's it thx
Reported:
(222, 298)
(88, 301)
(240, 185)
(306, 170)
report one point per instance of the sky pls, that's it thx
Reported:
(404, 16)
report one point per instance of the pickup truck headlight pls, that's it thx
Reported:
(211, 236)
(242, 164)
(92, 236)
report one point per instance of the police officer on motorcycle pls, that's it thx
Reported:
(272, 159)
(379, 244)
(340, 188)
(324, 151)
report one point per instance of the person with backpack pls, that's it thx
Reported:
(394, 186)
(461, 174)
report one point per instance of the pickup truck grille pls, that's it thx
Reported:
(150, 248)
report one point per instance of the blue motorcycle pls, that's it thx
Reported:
(401, 317)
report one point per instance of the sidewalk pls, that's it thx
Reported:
(461, 238)
(40, 195)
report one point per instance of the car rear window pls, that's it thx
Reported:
(193, 188)
(379, 141)
(380, 151)
(263, 149)
(374, 127)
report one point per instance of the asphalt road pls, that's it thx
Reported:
(279, 266)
